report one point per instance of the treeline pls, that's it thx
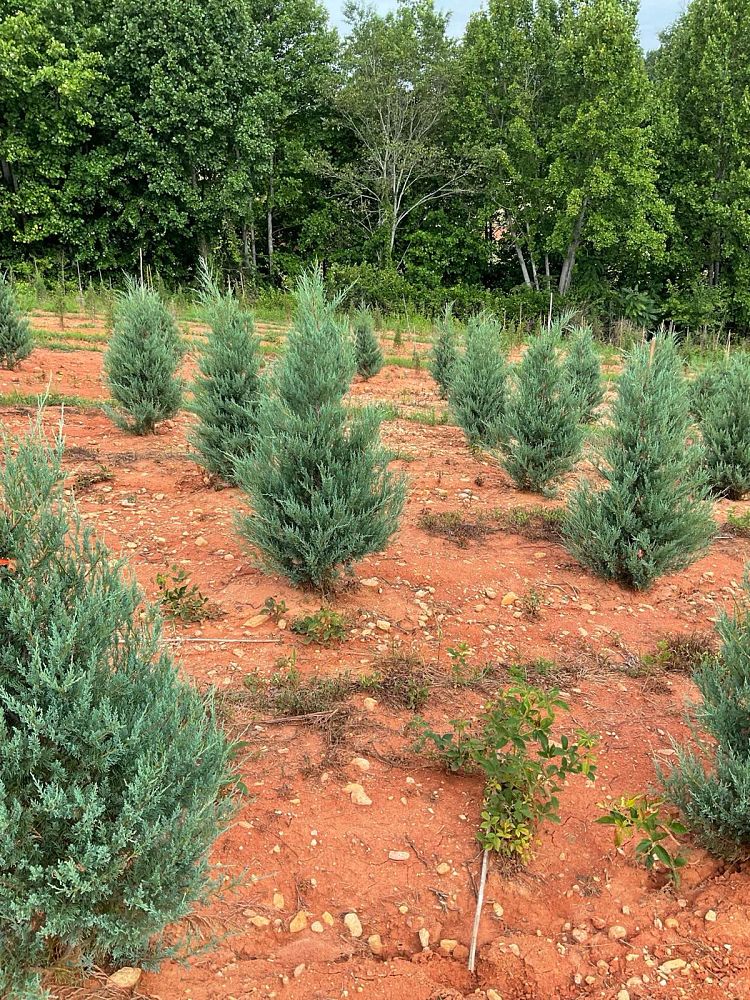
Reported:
(541, 153)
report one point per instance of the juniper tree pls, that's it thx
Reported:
(652, 516)
(477, 385)
(584, 373)
(725, 428)
(541, 431)
(318, 481)
(15, 337)
(141, 362)
(115, 777)
(444, 353)
(712, 787)
(702, 389)
(227, 388)
(367, 353)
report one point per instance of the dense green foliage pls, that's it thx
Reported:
(15, 336)
(651, 517)
(114, 775)
(444, 353)
(478, 384)
(702, 76)
(367, 352)
(141, 361)
(321, 493)
(725, 428)
(538, 154)
(712, 787)
(584, 372)
(542, 434)
(227, 387)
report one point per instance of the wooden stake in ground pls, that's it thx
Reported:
(478, 912)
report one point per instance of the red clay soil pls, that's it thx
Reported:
(301, 853)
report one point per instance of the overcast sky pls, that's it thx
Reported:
(655, 15)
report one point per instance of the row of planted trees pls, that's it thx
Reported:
(668, 444)
(115, 777)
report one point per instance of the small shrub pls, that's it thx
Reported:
(652, 516)
(725, 429)
(478, 384)
(643, 816)
(711, 787)
(115, 777)
(182, 601)
(227, 388)
(367, 351)
(584, 373)
(444, 353)
(324, 626)
(524, 768)
(318, 480)
(542, 435)
(15, 336)
(141, 361)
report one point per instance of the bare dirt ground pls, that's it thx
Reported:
(302, 853)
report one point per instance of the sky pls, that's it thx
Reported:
(655, 15)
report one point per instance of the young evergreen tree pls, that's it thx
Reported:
(15, 337)
(583, 372)
(141, 362)
(704, 387)
(478, 382)
(367, 352)
(444, 353)
(652, 516)
(227, 388)
(542, 434)
(712, 787)
(725, 426)
(318, 481)
(115, 777)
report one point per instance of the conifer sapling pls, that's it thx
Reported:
(725, 428)
(367, 351)
(542, 435)
(141, 362)
(318, 481)
(477, 387)
(16, 342)
(115, 777)
(652, 516)
(444, 353)
(227, 387)
(712, 787)
(583, 370)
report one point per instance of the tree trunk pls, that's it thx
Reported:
(524, 269)
(531, 259)
(8, 175)
(269, 219)
(566, 274)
